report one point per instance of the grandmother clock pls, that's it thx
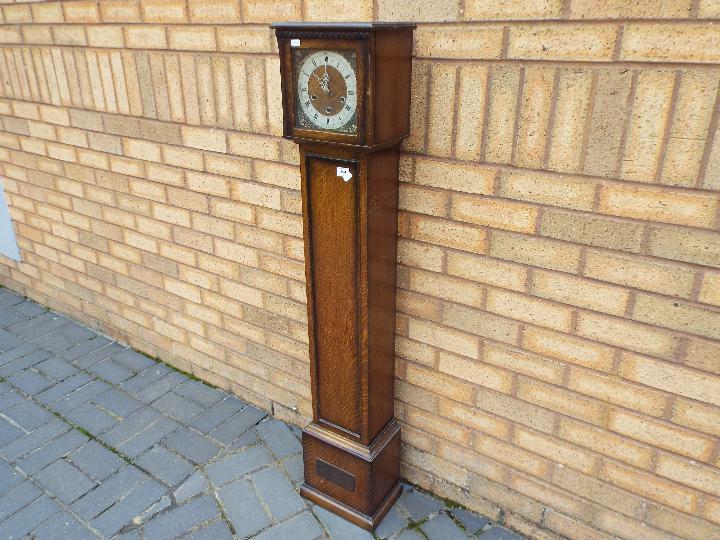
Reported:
(346, 98)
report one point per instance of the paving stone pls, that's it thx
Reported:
(145, 378)
(200, 393)
(23, 362)
(55, 342)
(217, 414)
(18, 352)
(148, 437)
(91, 418)
(108, 492)
(133, 360)
(96, 461)
(96, 355)
(62, 526)
(111, 371)
(4, 387)
(278, 437)
(8, 340)
(17, 497)
(238, 464)
(29, 308)
(243, 508)
(9, 317)
(237, 425)
(30, 382)
(10, 399)
(181, 519)
(162, 386)
(81, 395)
(301, 527)
(214, 531)
(409, 535)
(34, 440)
(164, 465)
(164, 502)
(9, 432)
(196, 484)
(391, 523)
(295, 468)
(472, 522)
(53, 450)
(56, 368)
(63, 388)
(249, 438)
(9, 477)
(118, 403)
(419, 505)
(339, 528)
(181, 409)
(277, 493)
(131, 535)
(86, 347)
(131, 426)
(191, 445)
(64, 481)
(441, 527)
(499, 533)
(122, 512)
(30, 517)
(28, 415)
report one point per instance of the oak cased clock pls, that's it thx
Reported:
(346, 99)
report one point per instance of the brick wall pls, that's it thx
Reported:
(559, 282)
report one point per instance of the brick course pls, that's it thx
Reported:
(558, 318)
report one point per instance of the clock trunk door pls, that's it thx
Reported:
(334, 241)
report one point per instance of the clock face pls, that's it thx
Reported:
(326, 90)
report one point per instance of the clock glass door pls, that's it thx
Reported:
(326, 86)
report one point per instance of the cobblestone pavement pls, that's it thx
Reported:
(99, 441)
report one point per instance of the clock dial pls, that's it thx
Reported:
(327, 91)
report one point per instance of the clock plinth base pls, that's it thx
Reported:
(355, 481)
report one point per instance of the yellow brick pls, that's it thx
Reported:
(535, 366)
(526, 308)
(618, 9)
(512, 9)
(566, 191)
(688, 131)
(473, 418)
(476, 372)
(444, 338)
(141, 150)
(105, 36)
(494, 213)
(120, 11)
(459, 177)
(592, 229)
(659, 434)
(568, 348)
(236, 252)
(486, 270)
(535, 251)
(605, 442)
(439, 285)
(562, 42)
(571, 528)
(466, 41)
(534, 116)
(439, 384)
(640, 273)
(698, 416)
(502, 109)
(437, 425)
(193, 38)
(420, 255)
(511, 455)
(554, 449)
(710, 289)
(219, 11)
(691, 245)
(65, 35)
(671, 378)
(256, 146)
(562, 401)
(440, 111)
(17, 14)
(244, 39)
(446, 233)
(229, 166)
(650, 110)
(481, 323)
(548, 495)
(579, 292)
(471, 111)
(81, 12)
(271, 10)
(47, 12)
(337, 10)
(572, 102)
(418, 107)
(706, 479)
(145, 37)
(670, 43)
(634, 397)
(164, 11)
(418, 10)
(204, 139)
(665, 312)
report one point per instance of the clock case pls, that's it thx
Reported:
(351, 449)
(383, 63)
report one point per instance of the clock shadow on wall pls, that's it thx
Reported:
(346, 102)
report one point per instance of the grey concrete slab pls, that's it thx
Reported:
(56, 368)
(301, 527)
(191, 445)
(182, 519)
(126, 509)
(279, 495)
(278, 437)
(25, 520)
(118, 403)
(215, 415)
(472, 522)
(28, 415)
(55, 449)
(180, 408)
(30, 382)
(499, 533)
(200, 393)
(65, 481)
(243, 508)
(441, 527)
(96, 461)
(196, 484)
(34, 440)
(62, 526)
(91, 418)
(164, 465)
(9, 477)
(238, 424)
(239, 464)
(419, 505)
(339, 528)
(17, 497)
(109, 492)
(218, 530)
